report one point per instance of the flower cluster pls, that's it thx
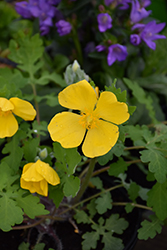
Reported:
(45, 11)
(147, 32)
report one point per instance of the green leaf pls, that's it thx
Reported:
(97, 182)
(111, 242)
(29, 51)
(31, 205)
(157, 199)
(39, 246)
(121, 96)
(116, 224)
(30, 149)
(7, 178)
(90, 240)
(82, 217)
(24, 246)
(157, 163)
(141, 96)
(133, 191)
(118, 167)
(71, 185)
(51, 77)
(10, 213)
(14, 150)
(103, 203)
(56, 194)
(91, 208)
(149, 229)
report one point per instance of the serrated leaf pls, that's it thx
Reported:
(141, 96)
(116, 224)
(97, 182)
(56, 194)
(149, 229)
(10, 213)
(82, 217)
(129, 208)
(111, 242)
(53, 77)
(91, 208)
(39, 246)
(103, 203)
(90, 240)
(6, 176)
(29, 51)
(157, 163)
(121, 96)
(118, 167)
(104, 159)
(31, 205)
(30, 149)
(133, 191)
(71, 185)
(157, 199)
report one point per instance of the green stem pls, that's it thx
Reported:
(77, 46)
(85, 181)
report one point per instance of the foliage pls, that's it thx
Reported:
(37, 67)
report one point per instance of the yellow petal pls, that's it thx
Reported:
(23, 109)
(100, 140)
(5, 104)
(30, 173)
(78, 96)
(66, 129)
(48, 173)
(44, 188)
(109, 109)
(9, 125)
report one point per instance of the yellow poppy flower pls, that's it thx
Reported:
(14, 105)
(98, 117)
(36, 176)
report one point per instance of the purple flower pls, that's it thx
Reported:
(44, 30)
(116, 52)
(123, 3)
(145, 3)
(63, 27)
(135, 39)
(100, 47)
(138, 12)
(34, 8)
(22, 9)
(104, 22)
(149, 33)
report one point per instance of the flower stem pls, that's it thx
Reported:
(77, 46)
(85, 181)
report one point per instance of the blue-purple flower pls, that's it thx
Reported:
(22, 9)
(135, 39)
(104, 22)
(138, 12)
(116, 52)
(63, 27)
(100, 48)
(148, 32)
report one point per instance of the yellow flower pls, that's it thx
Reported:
(14, 105)
(98, 117)
(36, 176)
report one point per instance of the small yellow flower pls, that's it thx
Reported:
(98, 117)
(36, 176)
(8, 122)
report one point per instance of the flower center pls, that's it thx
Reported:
(5, 113)
(88, 120)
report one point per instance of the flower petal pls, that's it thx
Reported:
(44, 188)
(30, 173)
(23, 109)
(9, 125)
(100, 140)
(5, 104)
(78, 96)
(66, 129)
(109, 109)
(48, 173)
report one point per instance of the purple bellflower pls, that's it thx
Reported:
(104, 22)
(63, 27)
(22, 9)
(138, 12)
(116, 52)
(100, 48)
(135, 39)
(148, 33)
(145, 3)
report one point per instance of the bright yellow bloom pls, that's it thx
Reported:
(98, 117)
(36, 176)
(8, 122)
